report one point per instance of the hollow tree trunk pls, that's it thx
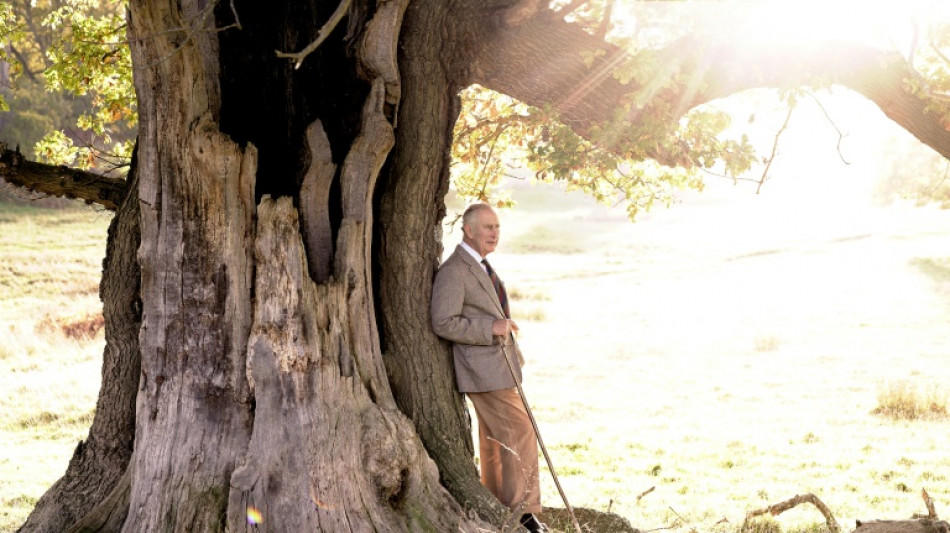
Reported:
(261, 387)
(93, 484)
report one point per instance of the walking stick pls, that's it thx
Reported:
(537, 433)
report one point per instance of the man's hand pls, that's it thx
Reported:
(502, 327)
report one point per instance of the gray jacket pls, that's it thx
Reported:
(464, 305)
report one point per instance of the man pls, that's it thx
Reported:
(470, 308)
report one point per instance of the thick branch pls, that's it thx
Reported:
(60, 180)
(24, 63)
(549, 62)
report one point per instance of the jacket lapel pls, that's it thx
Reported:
(479, 272)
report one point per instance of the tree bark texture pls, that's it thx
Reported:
(409, 245)
(194, 408)
(61, 181)
(262, 388)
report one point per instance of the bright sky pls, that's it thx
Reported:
(808, 159)
(884, 23)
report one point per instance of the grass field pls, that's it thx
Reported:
(50, 345)
(728, 353)
(731, 353)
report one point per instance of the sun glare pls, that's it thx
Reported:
(887, 24)
(872, 22)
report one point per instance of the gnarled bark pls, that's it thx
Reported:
(409, 247)
(277, 401)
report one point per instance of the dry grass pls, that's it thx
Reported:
(911, 400)
(83, 326)
(675, 355)
(50, 345)
(669, 355)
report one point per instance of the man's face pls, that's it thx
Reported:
(483, 233)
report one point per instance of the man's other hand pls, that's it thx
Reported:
(502, 327)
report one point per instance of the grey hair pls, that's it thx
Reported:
(468, 217)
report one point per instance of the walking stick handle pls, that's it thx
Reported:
(537, 433)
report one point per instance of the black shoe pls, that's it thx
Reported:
(531, 523)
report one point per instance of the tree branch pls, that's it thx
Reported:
(61, 180)
(831, 121)
(324, 32)
(549, 62)
(605, 22)
(774, 154)
(24, 63)
(569, 8)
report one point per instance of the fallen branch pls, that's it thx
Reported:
(644, 493)
(61, 181)
(781, 507)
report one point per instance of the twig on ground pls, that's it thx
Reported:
(781, 507)
(644, 493)
(928, 501)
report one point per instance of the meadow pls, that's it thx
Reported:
(708, 360)
(50, 345)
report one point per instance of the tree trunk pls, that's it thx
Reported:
(262, 390)
(409, 246)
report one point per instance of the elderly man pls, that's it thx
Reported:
(470, 308)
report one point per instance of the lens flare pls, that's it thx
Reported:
(254, 516)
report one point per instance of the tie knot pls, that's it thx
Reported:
(487, 266)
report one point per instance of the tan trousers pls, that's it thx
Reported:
(508, 449)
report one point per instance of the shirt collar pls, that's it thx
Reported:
(472, 252)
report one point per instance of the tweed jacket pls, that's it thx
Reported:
(464, 305)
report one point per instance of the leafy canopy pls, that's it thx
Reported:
(497, 137)
(77, 48)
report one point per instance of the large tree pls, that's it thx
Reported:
(270, 261)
